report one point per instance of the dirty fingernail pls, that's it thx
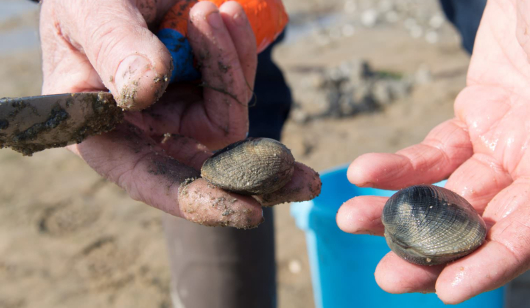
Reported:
(215, 20)
(128, 76)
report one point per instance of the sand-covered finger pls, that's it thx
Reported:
(136, 163)
(208, 205)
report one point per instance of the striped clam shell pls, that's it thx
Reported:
(431, 225)
(253, 166)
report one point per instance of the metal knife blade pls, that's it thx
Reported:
(32, 124)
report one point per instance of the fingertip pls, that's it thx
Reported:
(448, 295)
(347, 217)
(139, 83)
(388, 280)
(204, 204)
(233, 13)
(362, 215)
(359, 171)
(129, 59)
(314, 183)
(202, 9)
(449, 287)
(397, 276)
(231, 7)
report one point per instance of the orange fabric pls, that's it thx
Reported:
(177, 17)
(267, 18)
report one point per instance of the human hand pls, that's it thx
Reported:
(483, 151)
(99, 45)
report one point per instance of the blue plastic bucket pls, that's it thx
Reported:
(343, 265)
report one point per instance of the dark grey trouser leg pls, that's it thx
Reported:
(221, 267)
(224, 267)
(465, 15)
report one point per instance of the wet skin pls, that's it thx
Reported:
(484, 153)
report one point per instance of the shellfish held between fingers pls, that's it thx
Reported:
(431, 225)
(252, 166)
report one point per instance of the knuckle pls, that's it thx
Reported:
(148, 9)
(101, 41)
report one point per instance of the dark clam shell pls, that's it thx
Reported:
(253, 166)
(431, 225)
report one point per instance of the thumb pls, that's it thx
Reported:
(113, 35)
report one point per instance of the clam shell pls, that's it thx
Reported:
(431, 225)
(253, 166)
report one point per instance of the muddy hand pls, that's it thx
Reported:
(483, 151)
(169, 172)
(84, 48)
(304, 184)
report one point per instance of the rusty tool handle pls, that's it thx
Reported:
(32, 124)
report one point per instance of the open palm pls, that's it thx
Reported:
(483, 151)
